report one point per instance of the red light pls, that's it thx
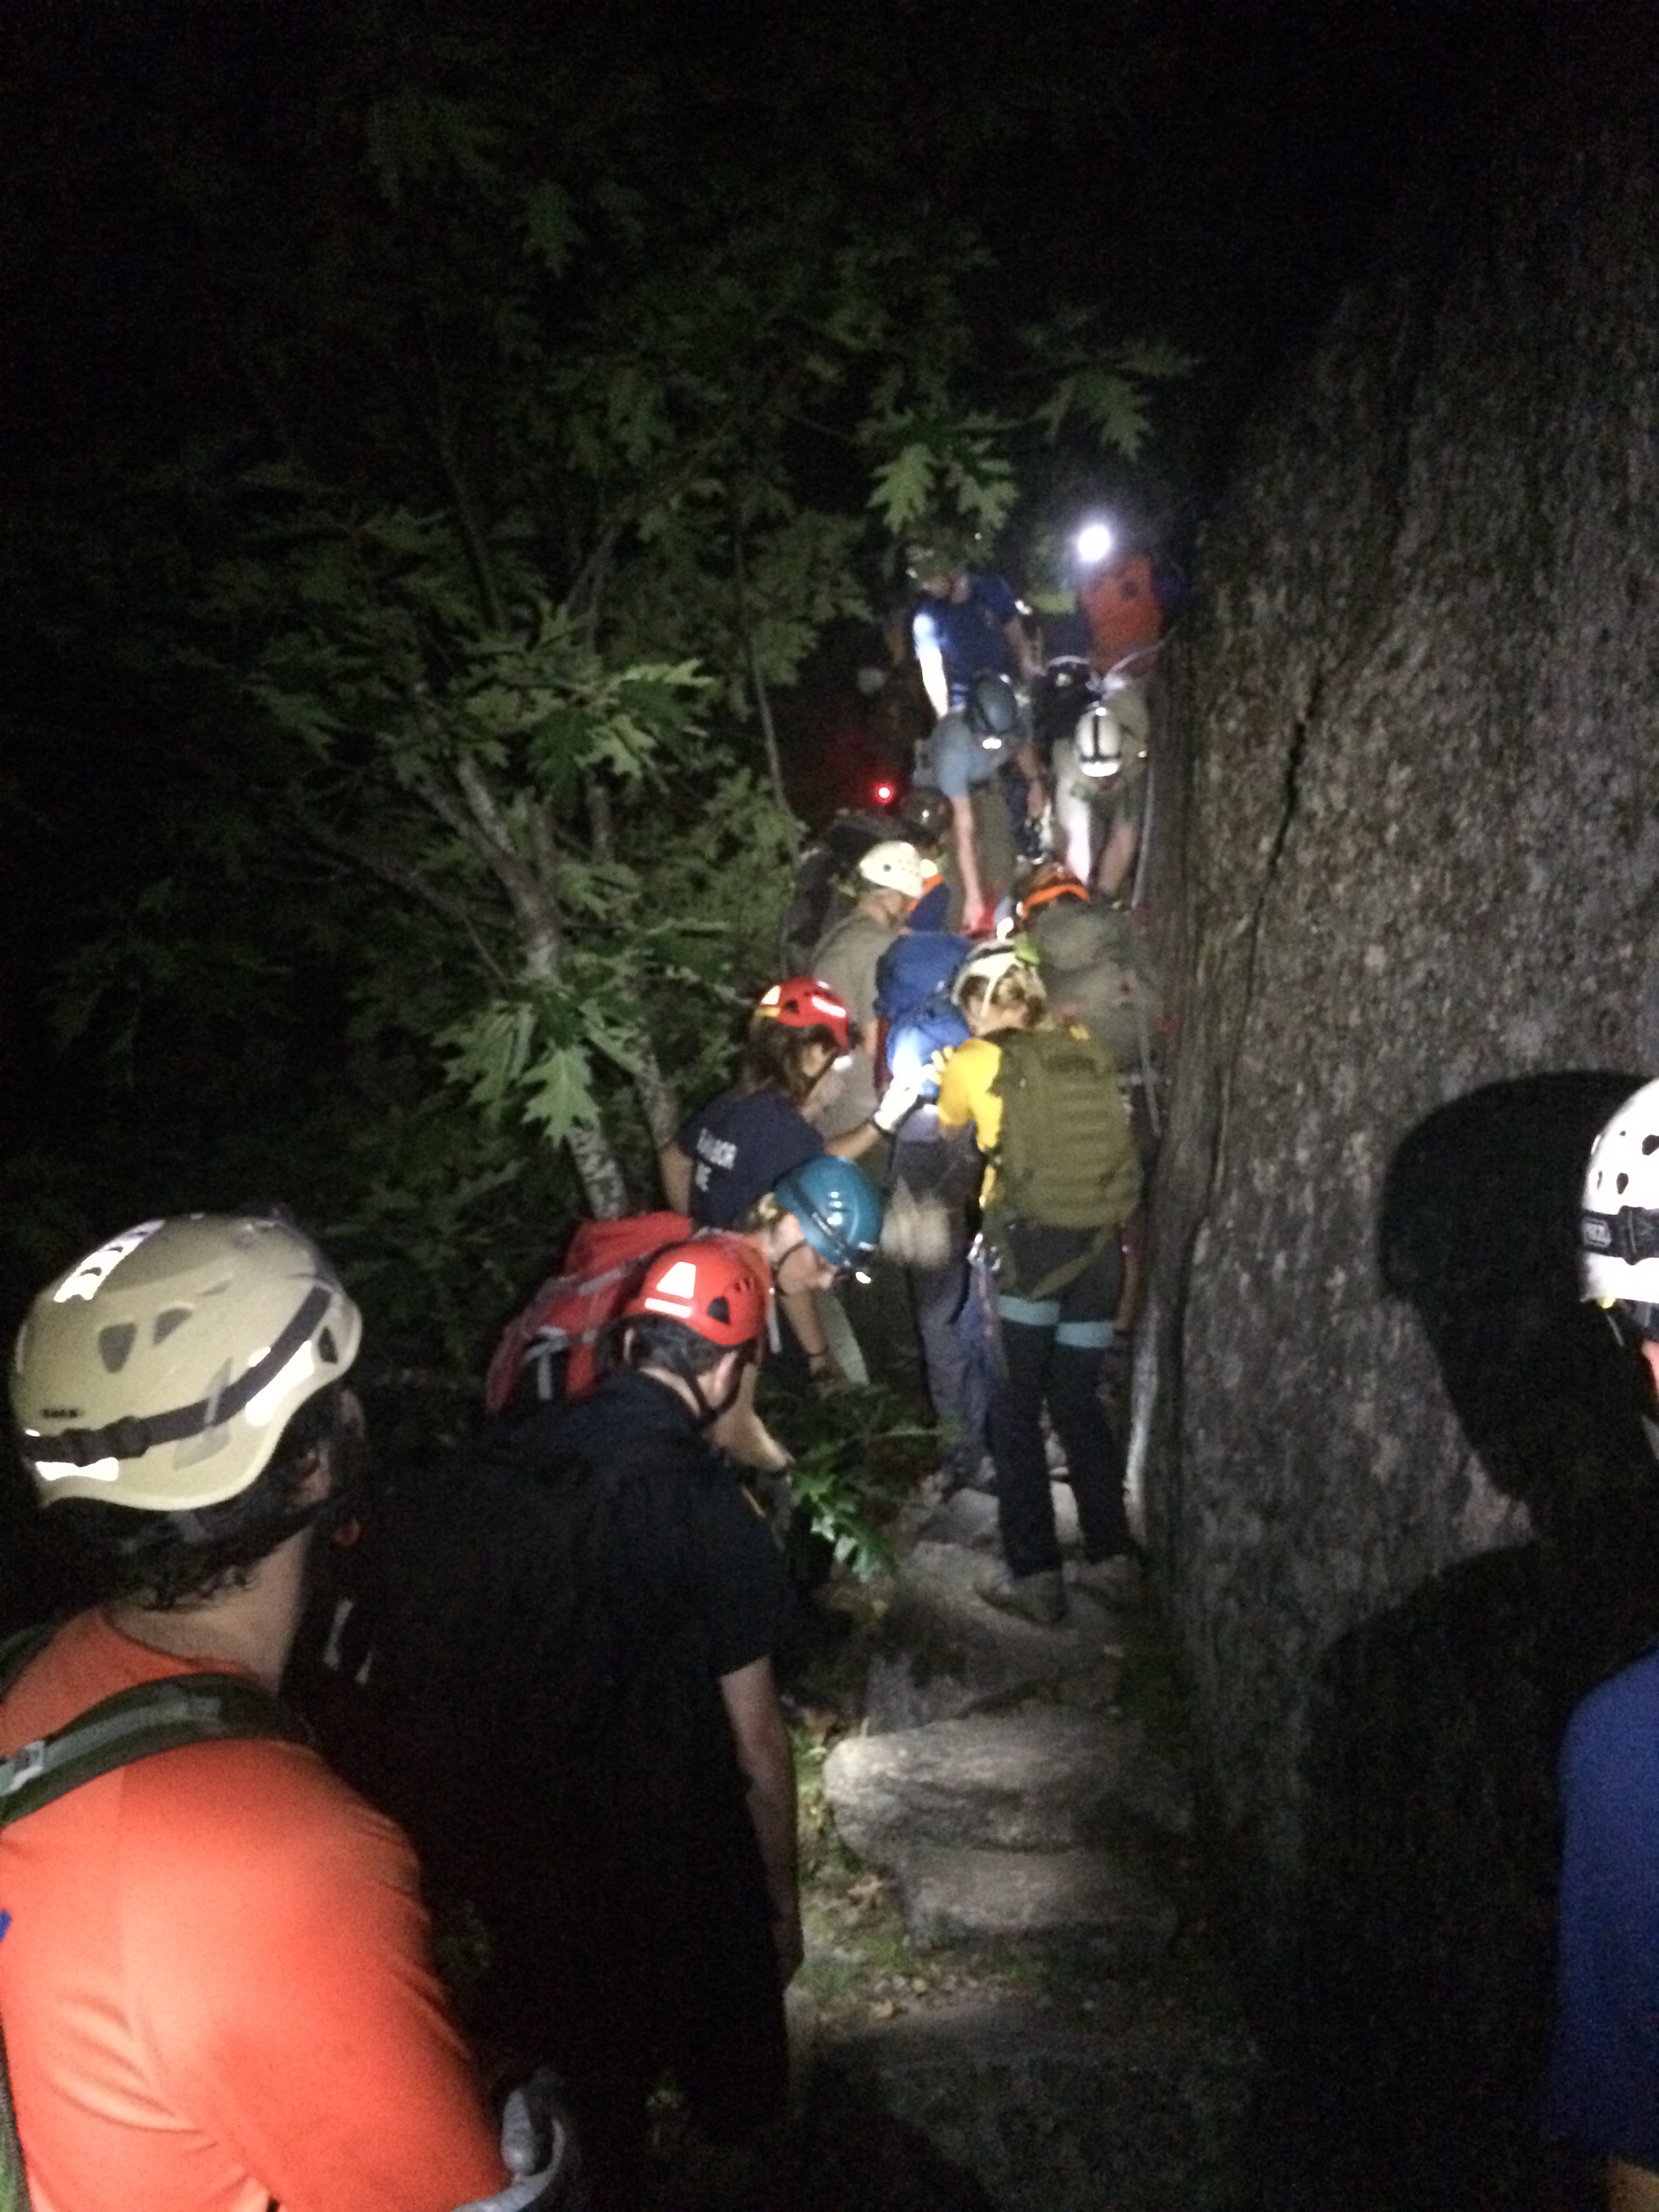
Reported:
(884, 794)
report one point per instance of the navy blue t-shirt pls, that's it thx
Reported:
(738, 1146)
(969, 633)
(1604, 2076)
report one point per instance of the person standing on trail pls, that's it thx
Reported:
(214, 1973)
(1100, 770)
(965, 622)
(1059, 1205)
(1604, 2079)
(559, 1674)
(890, 879)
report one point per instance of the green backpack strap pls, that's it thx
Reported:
(134, 1723)
(20, 1647)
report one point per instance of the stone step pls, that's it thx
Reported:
(942, 1652)
(1037, 2115)
(969, 1517)
(953, 1893)
(1040, 1778)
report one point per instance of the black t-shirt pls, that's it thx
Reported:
(530, 1684)
(739, 1144)
(687, 1532)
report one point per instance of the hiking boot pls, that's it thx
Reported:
(1040, 1597)
(1117, 1577)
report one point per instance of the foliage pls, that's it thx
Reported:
(524, 399)
(858, 1453)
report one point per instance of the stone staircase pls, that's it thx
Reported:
(1028, 1804)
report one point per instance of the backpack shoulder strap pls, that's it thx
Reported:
(135, 1723)
(20, 1647)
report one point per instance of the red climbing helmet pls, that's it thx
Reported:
(801, 1002)
(716, 1286)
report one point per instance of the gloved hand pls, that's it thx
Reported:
(539, 2151)
(902, 1096)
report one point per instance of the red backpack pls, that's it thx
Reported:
(603, 1265)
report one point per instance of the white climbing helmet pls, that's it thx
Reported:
(161, 1370)
(895, 866)
(1619, 1216)
(1100, 741)
(991, 963)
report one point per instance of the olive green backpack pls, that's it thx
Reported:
(1065, 1156)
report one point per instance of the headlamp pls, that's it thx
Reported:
(1093, 543)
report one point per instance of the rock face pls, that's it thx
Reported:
(1406, 874)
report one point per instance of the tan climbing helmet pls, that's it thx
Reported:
(161, 1370)
(894, 865)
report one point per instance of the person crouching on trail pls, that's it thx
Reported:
(1059, 1199)
(735, 1149)
(822, 1222)
(214, 1977)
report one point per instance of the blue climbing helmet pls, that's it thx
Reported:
(992, 711)
(838, 1207)
(934, 1027)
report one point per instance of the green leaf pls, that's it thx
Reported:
(557, 1096)
(904, 489)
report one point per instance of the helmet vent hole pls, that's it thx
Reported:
(719, 1310)
(1649, 1144)
(165, 1322)
(115, 1343)
(1621, 1182)
(326, 1347)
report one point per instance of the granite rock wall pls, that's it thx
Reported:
(1404, 867)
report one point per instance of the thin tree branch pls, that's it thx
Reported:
(376, 861)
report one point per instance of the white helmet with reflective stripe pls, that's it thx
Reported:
(1099, 741)
(895, 866)
(161, 1370)
(1619, 1216)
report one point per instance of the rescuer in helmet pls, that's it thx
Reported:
(1604, 2084)
(1099, 762)
(965, 622)
(1058, 1201)
(968, 758)
(566, 1669)
(734, 1149)
(214, 1986)
(890, 878)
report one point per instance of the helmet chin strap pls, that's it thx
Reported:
(708, 1413)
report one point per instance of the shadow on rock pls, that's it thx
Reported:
(1418, 2026)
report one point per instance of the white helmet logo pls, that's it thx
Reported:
(676, 1294)
(89, 1278)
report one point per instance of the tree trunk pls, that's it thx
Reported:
(658, 1100)
(601, 1178)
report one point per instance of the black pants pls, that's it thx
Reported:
(1053, 1351)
